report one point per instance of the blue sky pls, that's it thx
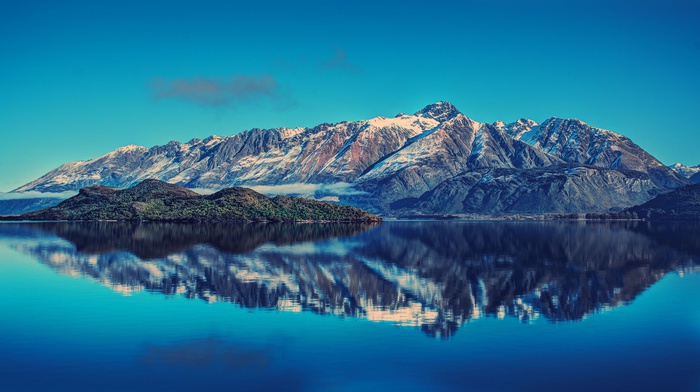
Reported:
(78, 80)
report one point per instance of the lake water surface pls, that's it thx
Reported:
(414, 306)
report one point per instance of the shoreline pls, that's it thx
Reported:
(415, 218)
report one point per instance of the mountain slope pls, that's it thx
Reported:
(577, 142)
(154, 200)
(386, 164)
(681, 204)
(563, 189)
(695, 178)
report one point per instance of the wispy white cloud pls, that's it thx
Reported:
(324, 192)
(36, 195)
(203, 191)
(328, 192)
(214, 92)
(340, 61)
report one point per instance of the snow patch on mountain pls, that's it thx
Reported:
(515, 129)
(128, 148)
(386, 163)
(479, 143)
(415, 150)
(414, 123)
(287, 133)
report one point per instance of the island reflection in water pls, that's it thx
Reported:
(432, 275)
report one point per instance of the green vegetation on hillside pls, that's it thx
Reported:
(154, 200)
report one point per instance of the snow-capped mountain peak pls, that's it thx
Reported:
(684, 170)
(130, 148)
(440, 111)
(435, 161)
(515, 129)
(419, 124)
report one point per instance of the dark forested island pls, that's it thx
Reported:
(154, 200)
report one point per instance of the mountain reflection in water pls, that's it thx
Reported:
(433, 275)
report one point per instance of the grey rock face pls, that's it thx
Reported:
(436, 160)
(562, 189)
(577, 142)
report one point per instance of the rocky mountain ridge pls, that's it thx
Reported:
(435, 161)
(684, 170)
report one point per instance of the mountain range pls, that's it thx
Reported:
(435, 161)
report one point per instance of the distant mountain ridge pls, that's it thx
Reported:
(692, 173)
(684, 170)
(21, 206)
(434, 161)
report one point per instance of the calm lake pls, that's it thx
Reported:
(402, 305)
